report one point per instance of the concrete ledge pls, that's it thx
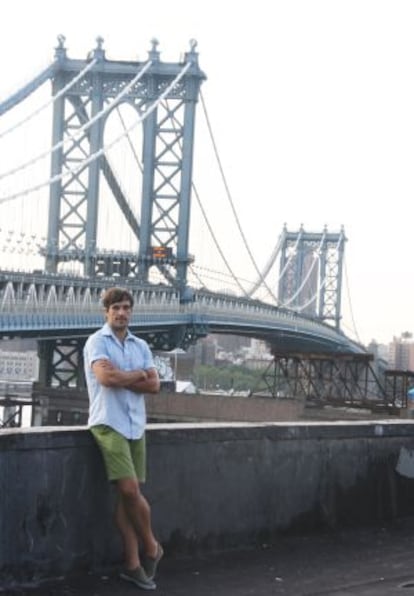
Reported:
(211, 486)
(199, 407)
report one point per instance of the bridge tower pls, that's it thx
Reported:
(312, 263)
(164, 96)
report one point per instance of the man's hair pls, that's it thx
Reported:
(113, 295)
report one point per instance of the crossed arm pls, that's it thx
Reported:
(139, 381)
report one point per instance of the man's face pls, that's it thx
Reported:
(118, 315)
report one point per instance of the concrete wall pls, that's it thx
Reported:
(221, 408)
(211, 486)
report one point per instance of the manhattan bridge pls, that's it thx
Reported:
(72, 223)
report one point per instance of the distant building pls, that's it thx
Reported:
(231, 343)
(380, 351)
(401, 353)
(185, 387)
(19, 366)
(203, 352)
(259, 349)
(18, 345)
(257, 363)
(174, 365)
(230, 350)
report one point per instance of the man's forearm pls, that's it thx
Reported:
(110, 376)
(123, 378)
(149, 385)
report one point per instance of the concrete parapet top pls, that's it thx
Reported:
(68, 436)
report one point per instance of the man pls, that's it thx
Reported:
(119, 369)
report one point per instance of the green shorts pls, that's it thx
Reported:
(123, 458)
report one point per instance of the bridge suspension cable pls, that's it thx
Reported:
(27, 89)
(351, 311)
(52, 100)
(204, 214)
(306, 277)
(268, 266)
(284, 269)
(130, 143)
(82, 129)
(212, 274)
(226, 186)
(272, 259)
(100, 152)
(135, 156)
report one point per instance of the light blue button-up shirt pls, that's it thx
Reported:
(117, 407)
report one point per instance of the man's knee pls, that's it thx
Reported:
(128, 489)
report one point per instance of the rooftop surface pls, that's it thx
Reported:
(359, 562)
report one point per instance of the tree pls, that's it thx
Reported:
(226, 377)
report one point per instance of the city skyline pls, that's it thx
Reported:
(312, 108)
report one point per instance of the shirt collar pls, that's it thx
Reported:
(106, 330)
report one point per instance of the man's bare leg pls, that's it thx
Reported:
(129, 536)
(135, 514)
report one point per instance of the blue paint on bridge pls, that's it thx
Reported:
(64, 307)
(51, 306)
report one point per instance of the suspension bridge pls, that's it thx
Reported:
(109, 201)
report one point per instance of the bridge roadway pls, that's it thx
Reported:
(41, 306)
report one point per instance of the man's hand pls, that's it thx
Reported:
(149, 385)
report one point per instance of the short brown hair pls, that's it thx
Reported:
(113, 295)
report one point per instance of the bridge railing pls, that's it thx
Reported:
(155, 304)
(39, 306)
(77, 296)
(87, 316)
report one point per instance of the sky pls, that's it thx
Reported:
(312, 104)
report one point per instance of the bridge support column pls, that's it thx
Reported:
(61, 363)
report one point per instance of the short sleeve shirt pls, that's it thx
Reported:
(117, 407)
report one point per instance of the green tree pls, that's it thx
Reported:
(227, 377)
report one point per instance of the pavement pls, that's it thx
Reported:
(359, 562)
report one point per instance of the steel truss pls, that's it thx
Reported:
(61, 362)
(340, 379)
(319, 288)
(397, 385)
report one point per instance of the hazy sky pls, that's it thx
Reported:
(312, 103)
